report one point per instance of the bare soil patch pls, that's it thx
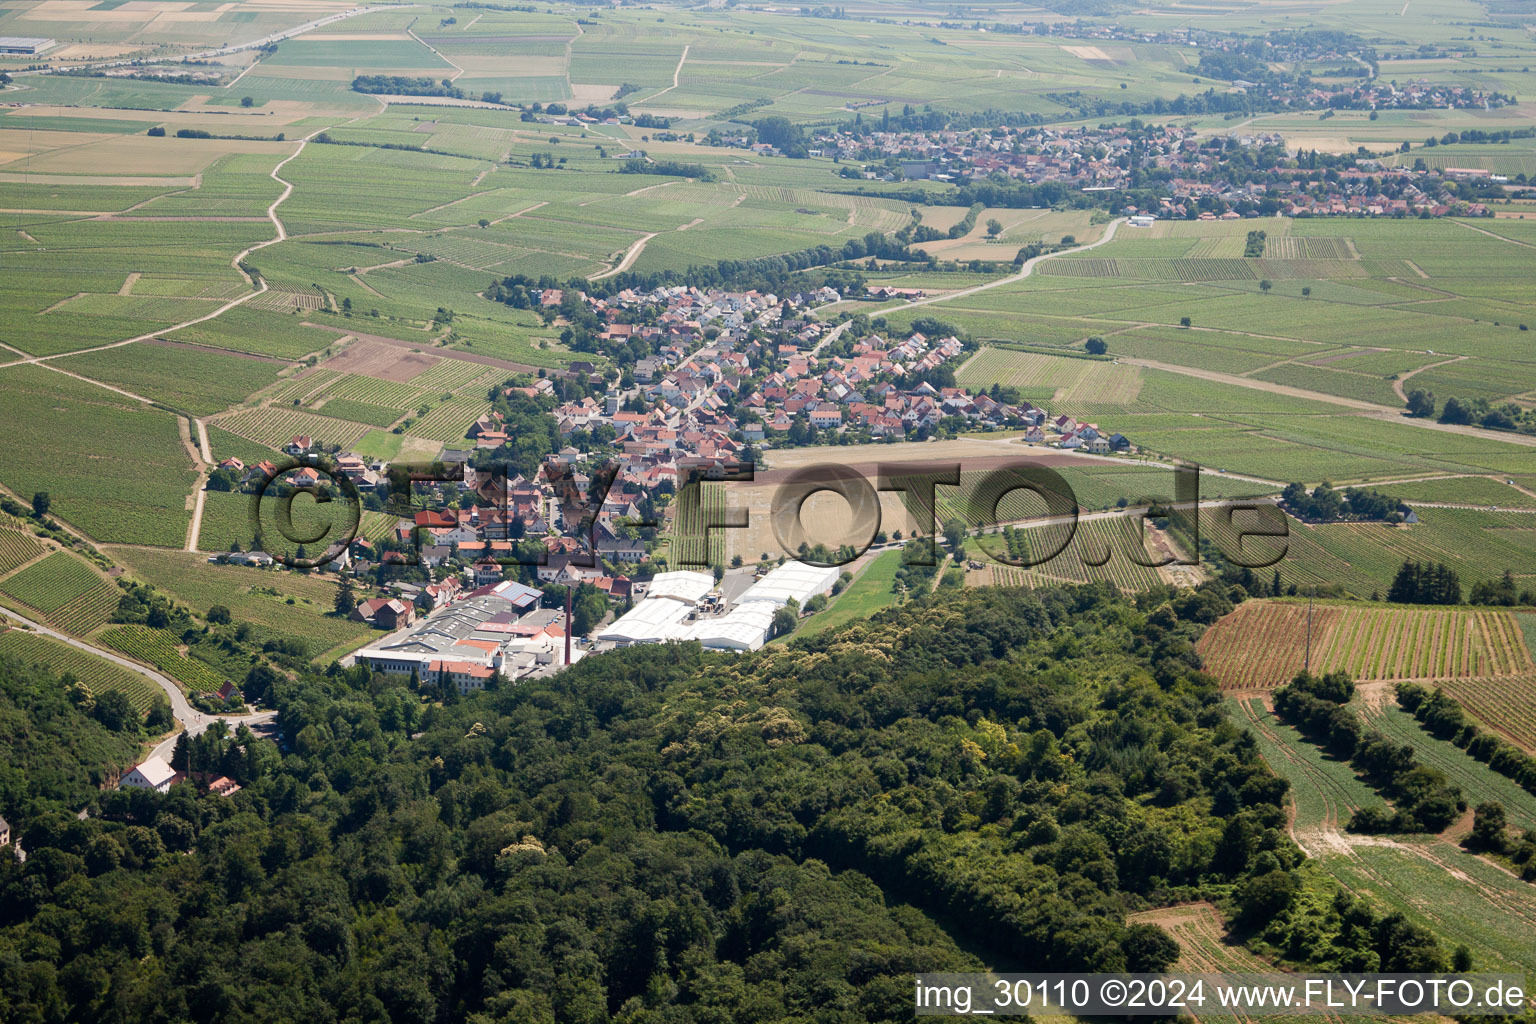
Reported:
(386, 362)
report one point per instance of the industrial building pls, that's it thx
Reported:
(743, 628)
(469, 641)
(26, 46)
(670, 598)
(675, 609)
(792, 581)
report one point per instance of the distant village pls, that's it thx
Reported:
(1193, 176)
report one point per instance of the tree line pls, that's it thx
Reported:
(1425, 800)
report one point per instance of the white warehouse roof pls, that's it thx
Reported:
(681, 586)
(792, 580)
(743, 628)
(652, 621)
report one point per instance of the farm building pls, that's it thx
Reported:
(26, 46)
(152, 774)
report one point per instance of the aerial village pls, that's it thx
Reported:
(732, 373)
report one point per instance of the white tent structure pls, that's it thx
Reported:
(680, 586)
(743, 628)
(747, 625)
(652, 621)
(792, 581)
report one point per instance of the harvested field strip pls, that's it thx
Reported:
(1264, 643)
(98, 674)
(1203, 947)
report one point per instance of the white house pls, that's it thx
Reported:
(152, 774)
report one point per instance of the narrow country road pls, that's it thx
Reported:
(1024, 271)
(632, 254)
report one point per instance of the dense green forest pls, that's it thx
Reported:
(990, 778)
(58, 741)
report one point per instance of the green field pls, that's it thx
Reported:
(63, 590)
(1478, 782)
(870, 591)
(157, 647)
(260, 597)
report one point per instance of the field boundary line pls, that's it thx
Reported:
(677, 74)
(1490, 234)
(458, 71)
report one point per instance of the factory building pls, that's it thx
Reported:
(675, 608)
(26, 46)
(471, 635)
(670, 598)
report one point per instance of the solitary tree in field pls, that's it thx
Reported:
(247, 101)
(1096, 346)
(1421, 403)
(1265, 286)
(41, 503)
(1306, 292)
(346, 600)
(1185, 321)
(994, 228)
